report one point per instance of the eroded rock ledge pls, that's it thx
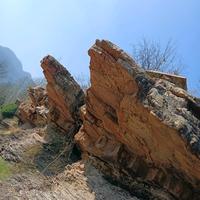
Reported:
(141, 131)
(34, 110)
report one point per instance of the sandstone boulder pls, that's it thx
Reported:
(141, 131)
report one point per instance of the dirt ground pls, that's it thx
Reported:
(35, 173)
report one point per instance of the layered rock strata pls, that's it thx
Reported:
(141, 131)
(65, 97)
(179, 81)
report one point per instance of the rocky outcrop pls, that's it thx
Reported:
(35, 109)
(141, 131)
(65, 98)
(64, 94)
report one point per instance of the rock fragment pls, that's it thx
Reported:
(34, 110)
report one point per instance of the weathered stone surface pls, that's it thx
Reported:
(141, 131)
(64, 94)
(65, 98)
(34, 110)
(179, 81)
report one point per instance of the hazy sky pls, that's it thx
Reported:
(66, 29)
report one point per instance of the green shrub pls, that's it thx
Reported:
(9, 110)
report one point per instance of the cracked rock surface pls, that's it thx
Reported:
(143, 132)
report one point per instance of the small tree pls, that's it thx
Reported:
(83, 80)
(151, 56)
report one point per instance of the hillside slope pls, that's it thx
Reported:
(13, 80)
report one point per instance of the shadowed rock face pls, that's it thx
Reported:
(141, 131)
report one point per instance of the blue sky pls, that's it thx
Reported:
(66, 29)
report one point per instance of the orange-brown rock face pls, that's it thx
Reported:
(143, 132)
(35, 109)
(64, 94)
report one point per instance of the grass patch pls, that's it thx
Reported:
(8, 110)
(5, 170)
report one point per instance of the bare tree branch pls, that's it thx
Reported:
(83, 80)
(151, 56)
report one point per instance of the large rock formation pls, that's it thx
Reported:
(64, 94)
(142, 132)
(13, 80)
(34, 110)
(65, 98)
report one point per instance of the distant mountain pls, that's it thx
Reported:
(13, 80)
